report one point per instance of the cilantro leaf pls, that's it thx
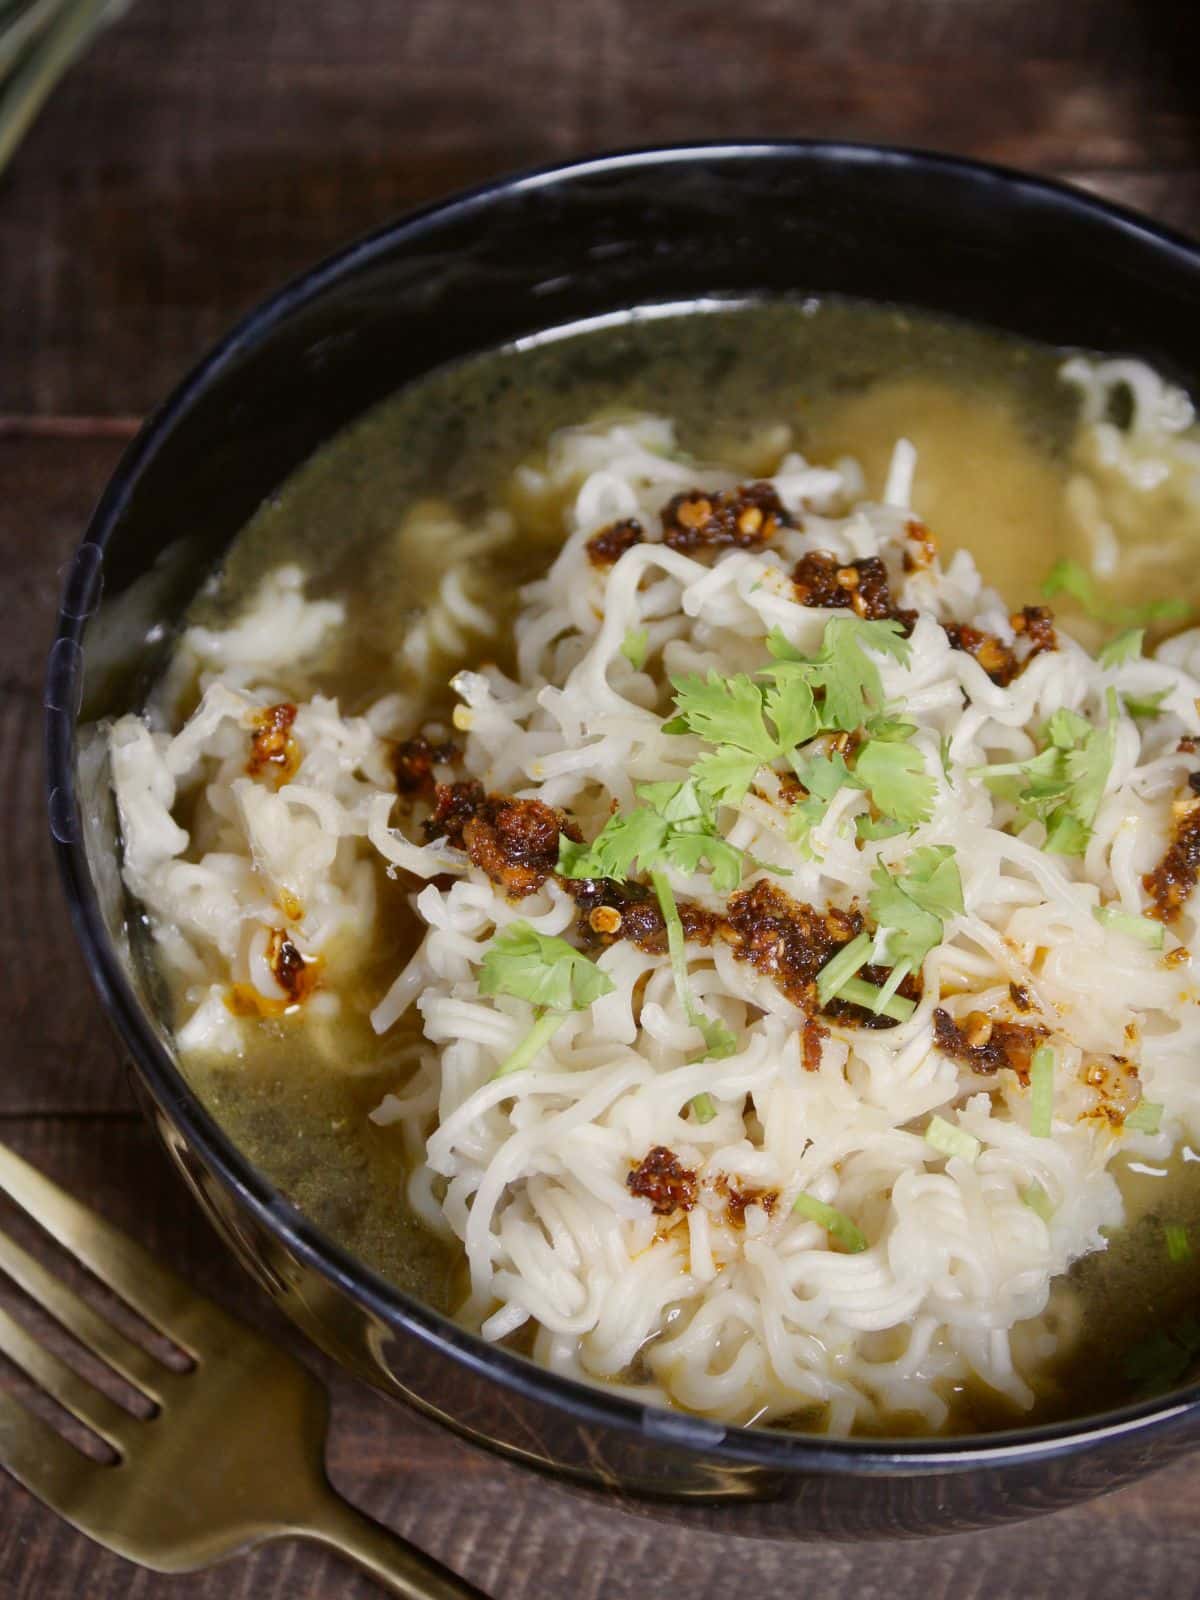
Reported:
(688, 851)
(868, 827)
(1125, 647)
(1066, 728)
(674, 802)
(723, 711)
(931, 877)
(626, 837)
(1089, 764)
(911, 932)
(542, 969)
(912, 908)
(726, 774)
(895, 774)
(823, 776)
(841, 670)
(1064, 784)
(675, 825)
(791, 708)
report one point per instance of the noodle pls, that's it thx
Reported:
(739, 1308)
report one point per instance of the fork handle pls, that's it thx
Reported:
(398, 1567)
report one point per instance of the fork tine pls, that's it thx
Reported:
(42, 1460)
(62, 1383)
(153, 1290)
(92, 1330)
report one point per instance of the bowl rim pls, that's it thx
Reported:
(592, 1405)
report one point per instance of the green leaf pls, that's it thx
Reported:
(1068, 577)
(932, 879)
(896, 777)
(889, 731)
(1088, 766)
(674, 801)
(688, 851)
(911, 931)
(1064, 784)
(726, 774)
(871, 828)
(1041, 1082)
(1066, 728)
(1066, 835)
(790, 706)
(1125, 647)
(822, 775)
(542, 969)
(841, 670)
(634, 647)
(626, 837)
(724, 711)
(951, 1140)
(835, 1222)
(1146, 930)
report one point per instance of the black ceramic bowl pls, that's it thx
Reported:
(507, 260)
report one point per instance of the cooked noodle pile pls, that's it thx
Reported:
(783, 1088)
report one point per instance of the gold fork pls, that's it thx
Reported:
(234, 1452)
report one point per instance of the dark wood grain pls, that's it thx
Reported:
(199, 155)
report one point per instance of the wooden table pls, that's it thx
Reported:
(200, 154)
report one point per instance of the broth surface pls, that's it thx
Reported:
(995, 431)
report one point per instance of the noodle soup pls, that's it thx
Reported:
(638, 856)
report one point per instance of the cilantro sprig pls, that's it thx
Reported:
(841, 672)
(910, 911)
(1063, 785)
(838, 690)
(546, 971)
(675, 827)
(750, 726)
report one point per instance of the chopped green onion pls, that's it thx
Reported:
(861, 993)
(543, 1030)
(1146, 1117)
(951, 1140)
(1144, 929)
(634, 647)
(1036, 1198)
(1179, 1246)
(1041, 1079)
(833, 1221)
(838, 971)
(703, 1108)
